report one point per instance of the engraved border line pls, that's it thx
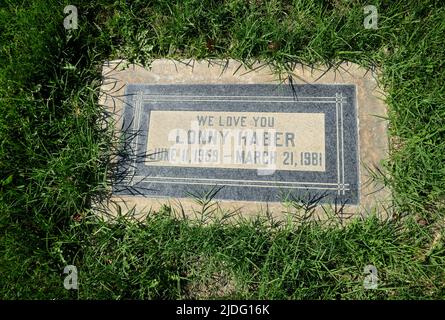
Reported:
(136, 126)
(235, 180)
(241, 185)
(342, 146)
(141, 97)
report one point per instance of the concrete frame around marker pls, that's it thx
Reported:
(363, 95)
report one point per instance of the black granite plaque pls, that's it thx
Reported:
(254, 142)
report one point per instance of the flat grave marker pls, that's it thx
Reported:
(257, 140)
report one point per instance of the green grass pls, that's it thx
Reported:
(54, 154)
